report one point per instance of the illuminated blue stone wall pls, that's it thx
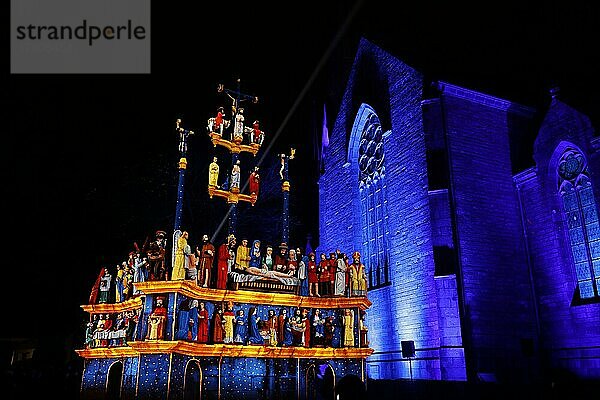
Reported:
(407, 308)
(130, 369)
(95, 377)
(153, 377)
(570, 332)
(498, 304)
(510, 311)
(209, 373)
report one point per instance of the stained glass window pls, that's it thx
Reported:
(373, 202)
(581, 216)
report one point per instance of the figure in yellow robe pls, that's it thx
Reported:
(242, 257)
(358, 276)
(213, 173)
(228, 318)
(348, 334)
(181, 256)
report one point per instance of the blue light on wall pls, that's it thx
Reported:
(579, 206)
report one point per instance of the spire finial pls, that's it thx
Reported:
(554, 91)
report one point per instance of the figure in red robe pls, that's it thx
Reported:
(257, 135)
(306, 319)
(224, 261)
(202, 323)
(206, 262)
(281, 318)
(218, 326)
(313, 276)
(324, 275)
(332, 270)
(219, 119)
(254, 181)
(157, 321)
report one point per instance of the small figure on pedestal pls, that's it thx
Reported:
(238, 127)
(254, 182)
(183, 137)
(257, 135)
(235, 176)
(282, 168)
(213, 173)
(218, 123)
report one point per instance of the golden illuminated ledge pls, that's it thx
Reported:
(233, 196)
(234, 146)
(105, 352)
(223, 350)
(191, 289)
(130, 304)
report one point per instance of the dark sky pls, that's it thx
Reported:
(92, 158)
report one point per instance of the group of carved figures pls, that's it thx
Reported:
(304, 328)
(146, 264)
(232, 182)
(106, 330)
(218, 124)
(330, 276)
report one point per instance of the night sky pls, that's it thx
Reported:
(92, 159)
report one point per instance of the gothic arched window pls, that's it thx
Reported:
(581, 215)
(373, 202)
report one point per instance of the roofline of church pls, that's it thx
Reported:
(484, 99)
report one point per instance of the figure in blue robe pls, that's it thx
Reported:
(288, 339)
(193, 321)
(240, 330)
(254, 336)
(255, 257)
(182, 323)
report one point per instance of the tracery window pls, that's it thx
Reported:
(373, 201)
(581, 216)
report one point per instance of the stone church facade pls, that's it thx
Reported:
(489, 267)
